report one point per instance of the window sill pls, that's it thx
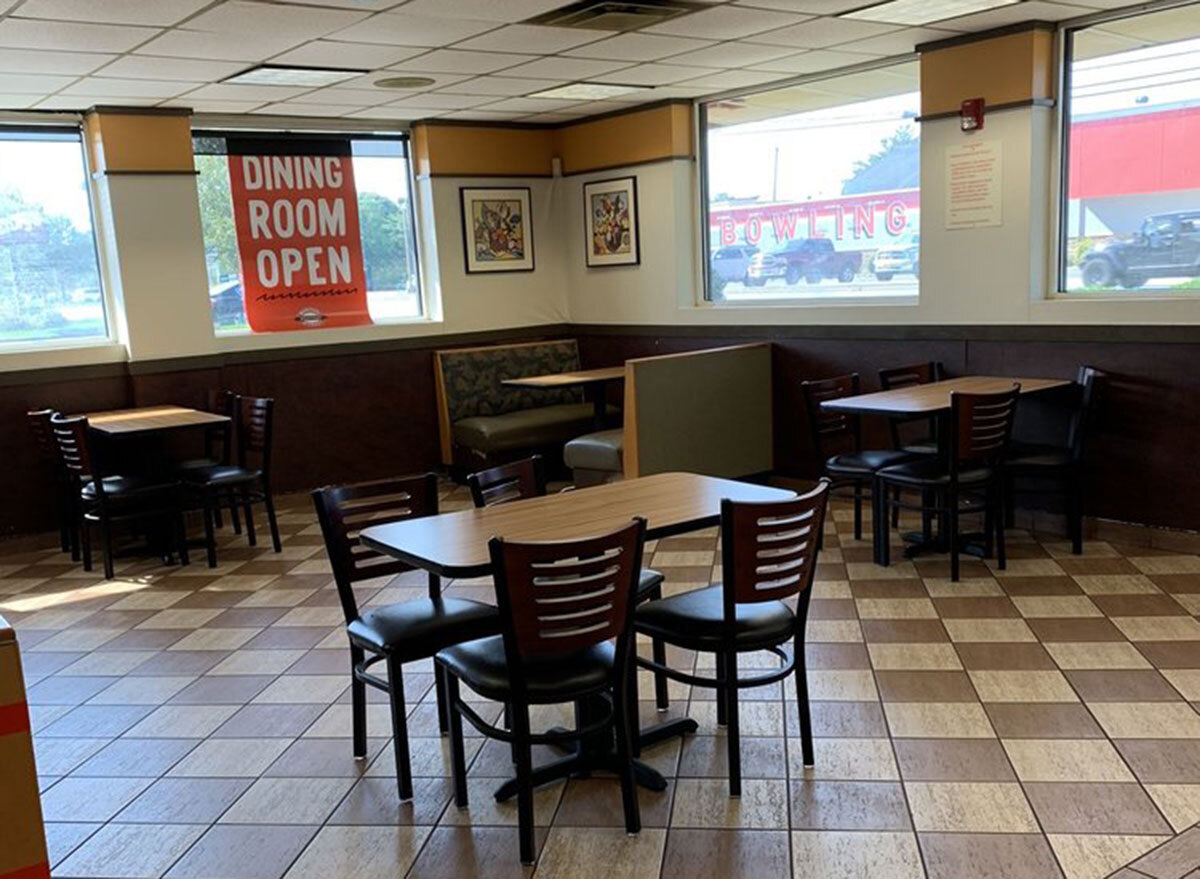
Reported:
(835, 300)
(24, 357)
(248, 341)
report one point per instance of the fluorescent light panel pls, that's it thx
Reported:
(276, 74)
(919, 12)
(588, 91)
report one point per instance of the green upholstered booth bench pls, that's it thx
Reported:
(484, 422)
(596, 457)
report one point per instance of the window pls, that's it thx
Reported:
(49, 277)
(813, 190)
(382, 195)
(1131, 178)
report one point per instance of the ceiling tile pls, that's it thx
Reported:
(724, 23)
(552, 118)
(813, 62)
(1027, 11)
(822, 32)
(484, 116)
(681, 90)
(638, 47)
(391, 114)
(898, 42)
(17, 102)
(397, 28)
(361, 97)
(566, 68)
(456, 61)
(209, 106)
(128, 88)
(533, 38)
(654, 74)
(224, 47)
(24, 33)
(330, 53)
(529, 105)
(32, 83)
(732, 54)
(300, 108)
(442, 101)
(150, 67)
(160, 12)
(504, 86)
(731, 79)
(484, 10)
(369, 5)
(276, 19)
(367, 81)
(77, 63)
(815, 7)
(83, 102)
(223, 91)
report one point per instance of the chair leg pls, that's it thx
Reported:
(358, 703)
(85, 542)
(218, 518)
(1001, 556)
(443, 706)
(524, 782)
(952, 531)
(399, 729)
(1010, 491)
(107, 548)
(1075, 514)
(879, 517)
(181, 533)
(991, 506)
(732, 737)
(210, 536)
(896, 509)
(248, 510)
(234, 515)
(626, 744)
(662, 700)
(458, 760)
(858, 493)
(883, 543)
(722, 708)
(272, 524)
(806, 733)
(927, 502)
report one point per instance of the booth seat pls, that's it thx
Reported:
(596, 457)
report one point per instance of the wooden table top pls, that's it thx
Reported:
(455, 544)
(122, 422)
(935, 397)
(568, 379)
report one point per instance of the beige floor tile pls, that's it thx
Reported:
(1180, 628)
(1093, 856)
(141, 690)
(257, 662)
(824, 854)
(754, 718)
(938, 720)
(244, 582)
(1167, 564)
(1026, 568)
(705, 802)
(80, 638)
(230, 758)
(275, 598)
(312, 616)
(1147, 720)
(967, 587)
(335, 722)
(693, 559)
(179, 618)
(988, 630)
(288, 801)
(1022, 686)
(831, 588)
(832, 631)
(214, 639)
(90, 799)
(148, 600)
(1096, 655)
(107, 662)
(896, 609)
(845, 760)
(969, 807)
(601, 853)
(1035, 606)
(1115, 584)
(1068, 760)
(914, 657)
(841, 685)
(301, 689)
(1186, 681)
(1180, 803)
(182, 721)
(361, 852)
(484, 811)
(871, 571)
(130, 851)
(1190, 602)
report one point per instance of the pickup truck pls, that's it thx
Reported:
(812, 259)
(1166, 246)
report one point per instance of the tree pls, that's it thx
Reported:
(383, 225)
(216, 215)
(897, 165)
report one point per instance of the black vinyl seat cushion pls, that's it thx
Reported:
(1038, 456)
(422, 627)
(697, 619)
(122, 487)
(648, 580)
(928, 446)
(222, 474)
(866, 462)
(483, 666)
(930, 473)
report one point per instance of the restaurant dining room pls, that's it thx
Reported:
(611, 439)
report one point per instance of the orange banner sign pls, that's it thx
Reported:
(298, 241)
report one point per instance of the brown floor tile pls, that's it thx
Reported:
(902, 588)
(1138, 605)
(96, 721)
(844, 656)
(952, 760)
(988, 856)
(976, 608)
(925, 686)
(1122, 685)
(904, 631)
(184, 801)
(243, 851)
(137, 757)
(1179, 857)
(1171, 654)
(596, 802)
(1003, 656)
(272, 721)
(376, 801)
(222, 690)
(1051, 629)
(182, 662)
(323, 758)
(1044, 720)
(1026, 586)
(130, 850)
(707, 757)
(831, 609)
(1166, 761)
(1119, 809)
(1103, 566)
(287, 637)
(848, 805)
(708, 854)
(601, 853)
(1184, 584)
(473, 853)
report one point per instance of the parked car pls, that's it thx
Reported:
(731, 263)
(812, 259)
(1166, 246)
(898, 259)
(225, 299)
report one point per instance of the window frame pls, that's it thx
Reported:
(1059, 215)
(71, 124)
(404, 136)
(702, 298)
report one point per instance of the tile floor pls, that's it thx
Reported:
(1036, 722)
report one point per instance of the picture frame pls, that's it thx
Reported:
(610, 216)
(497, 229)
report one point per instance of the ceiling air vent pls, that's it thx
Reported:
(612, 15)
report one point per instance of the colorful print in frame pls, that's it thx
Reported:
(497, 229)
(610, 214)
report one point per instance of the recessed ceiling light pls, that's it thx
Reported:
(918, 12)
(278, 74)
(405, 82)
(589, 91)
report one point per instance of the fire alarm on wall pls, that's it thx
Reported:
(971, 114)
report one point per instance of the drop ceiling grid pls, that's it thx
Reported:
(71, 54)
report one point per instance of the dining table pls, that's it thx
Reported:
(455, 544)
(145, 420)
(593, 381)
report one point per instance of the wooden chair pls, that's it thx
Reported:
(218, 446)
(1061, 465)
(245, 482)
(51, 459)
(980, 431)
(107, 499)
(768, 554)
(562, 604)
(927, 442)
(395, 633)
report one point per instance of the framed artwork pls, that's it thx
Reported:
(497, 229)
(610, 215)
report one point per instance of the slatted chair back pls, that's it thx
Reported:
(769, 549)
(1089, 380)
(832, 428)
(907, 377)
(219, 442)
(508, 482)
(255, 424)
(344, 510)
(43, 434)
(982, 426)
(561, 597)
